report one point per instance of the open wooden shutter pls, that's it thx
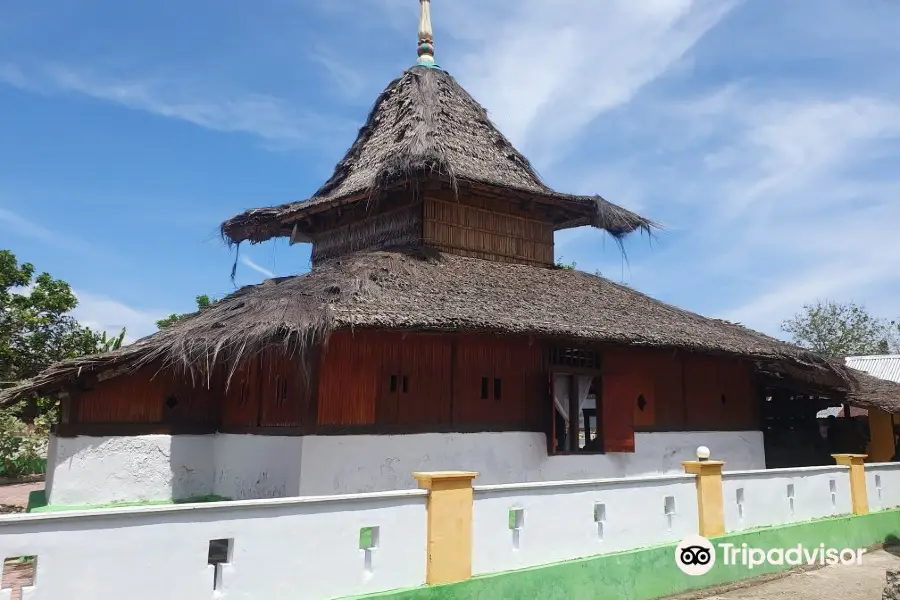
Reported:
(551, 419)
(618, 414)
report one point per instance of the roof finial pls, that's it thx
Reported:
(426, 36)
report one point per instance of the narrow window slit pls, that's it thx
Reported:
(484, 388)
(369, 538)
(516, 520)
(599, 518)
(669, 509)
(220, 553)
(393, 383)
(498, 389)
(18, 574)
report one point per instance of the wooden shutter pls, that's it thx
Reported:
(618, 414)
(282, 390)
(390, 382)
(241, 407)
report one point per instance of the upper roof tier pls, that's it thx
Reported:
(426, 126)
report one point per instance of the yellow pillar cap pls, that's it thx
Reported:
(849, 459)
(702, 467)
(427, 480)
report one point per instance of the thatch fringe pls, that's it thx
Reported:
(396, 228)
(424, 125)
(419, 290)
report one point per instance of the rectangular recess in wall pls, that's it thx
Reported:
(669, 509)
(516, 518)
(599, 518)
(18, 574)
(369, 537)
(220, 553)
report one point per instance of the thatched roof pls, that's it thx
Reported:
(419, 291)
(874, 392)
(426, 125)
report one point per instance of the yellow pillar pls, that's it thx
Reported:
(858, 495)
(449, 525)
(881, 433)
(709, 495)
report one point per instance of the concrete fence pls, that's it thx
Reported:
(310, 548)
(779, 496)
(525, 525)
(322, 548)
(883, 485)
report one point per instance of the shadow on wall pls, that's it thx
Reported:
(892, 545)
(100, 470)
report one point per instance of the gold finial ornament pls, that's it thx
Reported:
(426, 36)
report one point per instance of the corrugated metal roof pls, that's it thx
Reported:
(886, 366)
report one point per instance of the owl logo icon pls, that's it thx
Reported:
(695, 555)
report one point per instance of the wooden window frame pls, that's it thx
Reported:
(574, 411)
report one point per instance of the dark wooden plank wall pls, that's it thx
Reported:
(149, 395)
(681, 391)
(267, 390)
(391, 380)
(488, 228)
(434, 382)
(397, 226)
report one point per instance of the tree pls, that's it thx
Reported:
(841, 329)
(202, 302)
(36, 329)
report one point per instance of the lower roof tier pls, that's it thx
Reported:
(420, 290)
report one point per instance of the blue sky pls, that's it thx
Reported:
(765, 136)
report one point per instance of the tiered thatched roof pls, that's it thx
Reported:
(426, 125)
(429, 291)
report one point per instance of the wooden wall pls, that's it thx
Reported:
(681, 391)
(391, 227)
(267, 390)
(388, 380)
(146, 396)
(488, 228)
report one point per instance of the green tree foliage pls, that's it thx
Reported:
(36, 328)
(842, 329)
(568, 266)
(202, 302)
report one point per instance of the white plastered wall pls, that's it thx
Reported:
(87, 470)
(97, 470)
(364, 463)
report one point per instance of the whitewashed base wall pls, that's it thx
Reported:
(286, 548)
(86, 470)
(558, 521)
(779, 496)
(883, 485)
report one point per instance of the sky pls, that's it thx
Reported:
(763, 135)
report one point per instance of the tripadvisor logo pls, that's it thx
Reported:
(696, 555)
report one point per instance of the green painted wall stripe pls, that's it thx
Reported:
(37, 503)
(651, 573)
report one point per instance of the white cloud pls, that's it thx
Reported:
(546, 69)
(264, 271)
(785, 208)
(103, 313)
(268, 117)
(19, 225)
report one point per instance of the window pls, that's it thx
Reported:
(574, 357)
(576, 420)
